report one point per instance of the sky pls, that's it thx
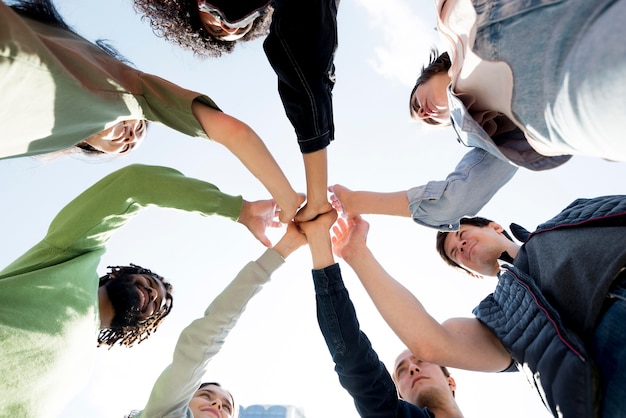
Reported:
(276, 354)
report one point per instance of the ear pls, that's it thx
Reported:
(451, 383)
(496, 227)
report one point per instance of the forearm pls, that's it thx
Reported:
(248, 147)
(204, 337)
(393, 203)
(114, 200)
(401, 310)
(321, 248)
(460, 342)
(359, 370)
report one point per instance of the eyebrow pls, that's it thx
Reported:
(400, 364)
(216, 393)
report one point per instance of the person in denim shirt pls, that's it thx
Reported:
(498, 149)
(300, 45)
(427, 390)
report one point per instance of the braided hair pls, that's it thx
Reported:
(129, 330)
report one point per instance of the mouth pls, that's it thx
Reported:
(417, 379)
(212, 411)
(144, 298)
(470, 250)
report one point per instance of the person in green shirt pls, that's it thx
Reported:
(53, 306)
(59, 91)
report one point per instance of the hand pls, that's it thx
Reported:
(258, 216)
(339, 199)
(350, 237)
(317, 234)
(321, 224)
(287, 213)
(291, 241)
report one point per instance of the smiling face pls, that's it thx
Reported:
(421, 383)
(120, 138)
(216, 28)
(135, 297)
(477, 248)
(211, 401)
(430, 99)
(227, 21)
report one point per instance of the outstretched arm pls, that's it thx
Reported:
(460, 342)
(204, 337)
(475, 180)
(248, 147)
(357, 365)
(359, 202)
(436, 204)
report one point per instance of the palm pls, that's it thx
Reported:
(259, 216)
(347, 235)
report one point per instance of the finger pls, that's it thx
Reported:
(265, 240)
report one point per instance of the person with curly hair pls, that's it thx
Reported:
(52, 304)
(83, 93)
(300, 45)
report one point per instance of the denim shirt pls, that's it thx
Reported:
(360, 371)
(301, 47)
(488, 166)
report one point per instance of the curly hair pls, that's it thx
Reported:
(138, 330)
(178, 21)
(439, 63)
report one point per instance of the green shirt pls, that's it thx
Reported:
(73, 89)
(49, 319)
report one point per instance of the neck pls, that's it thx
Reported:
(512, 248)
(447, 411)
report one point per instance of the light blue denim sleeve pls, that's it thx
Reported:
(474, 181)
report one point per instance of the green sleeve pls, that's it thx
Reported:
(88, 221)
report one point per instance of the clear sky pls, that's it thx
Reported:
(276, 354)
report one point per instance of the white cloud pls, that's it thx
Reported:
(407, 32)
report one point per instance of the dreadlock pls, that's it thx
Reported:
(127, 335)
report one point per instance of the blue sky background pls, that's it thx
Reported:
(276, 354)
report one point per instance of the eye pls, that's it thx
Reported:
(126, 149)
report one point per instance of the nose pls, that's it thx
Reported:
(152, 293)
(217, 403)
(461, 245)
(414, 368)
(422, 114)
